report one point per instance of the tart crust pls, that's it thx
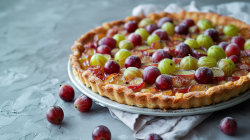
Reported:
(124, 95)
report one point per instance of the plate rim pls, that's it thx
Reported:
(154, 112)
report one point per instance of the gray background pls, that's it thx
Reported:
(35, 40)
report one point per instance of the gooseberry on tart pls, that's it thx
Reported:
(190, 60)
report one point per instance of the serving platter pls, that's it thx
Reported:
(104, 101)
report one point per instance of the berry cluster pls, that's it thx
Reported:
(83, 103)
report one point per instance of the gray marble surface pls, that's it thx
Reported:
(35, 40)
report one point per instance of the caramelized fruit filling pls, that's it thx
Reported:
(168, 57)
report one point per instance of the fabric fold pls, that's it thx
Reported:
(169, 127)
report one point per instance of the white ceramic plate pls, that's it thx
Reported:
(103, 101)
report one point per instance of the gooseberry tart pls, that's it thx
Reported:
(189, 60)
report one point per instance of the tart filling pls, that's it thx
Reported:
(177, 60)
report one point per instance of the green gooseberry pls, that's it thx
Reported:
(247, 45)
(143, 33)
(132, 72)
(205, 41)
(152, 38)
(231, 30)
(216, 52)
(227, 65)
(121, 56)
(188, 63)
(144, 22)
(166, 66)
(206, 61)
(118, 38)
(168, 27)
(98, 59)
(204, 24)
(125, 44)
(192, 43)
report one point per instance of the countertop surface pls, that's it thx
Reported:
(35, 40)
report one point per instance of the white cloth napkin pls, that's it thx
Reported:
(173, 128)
(170, 128)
